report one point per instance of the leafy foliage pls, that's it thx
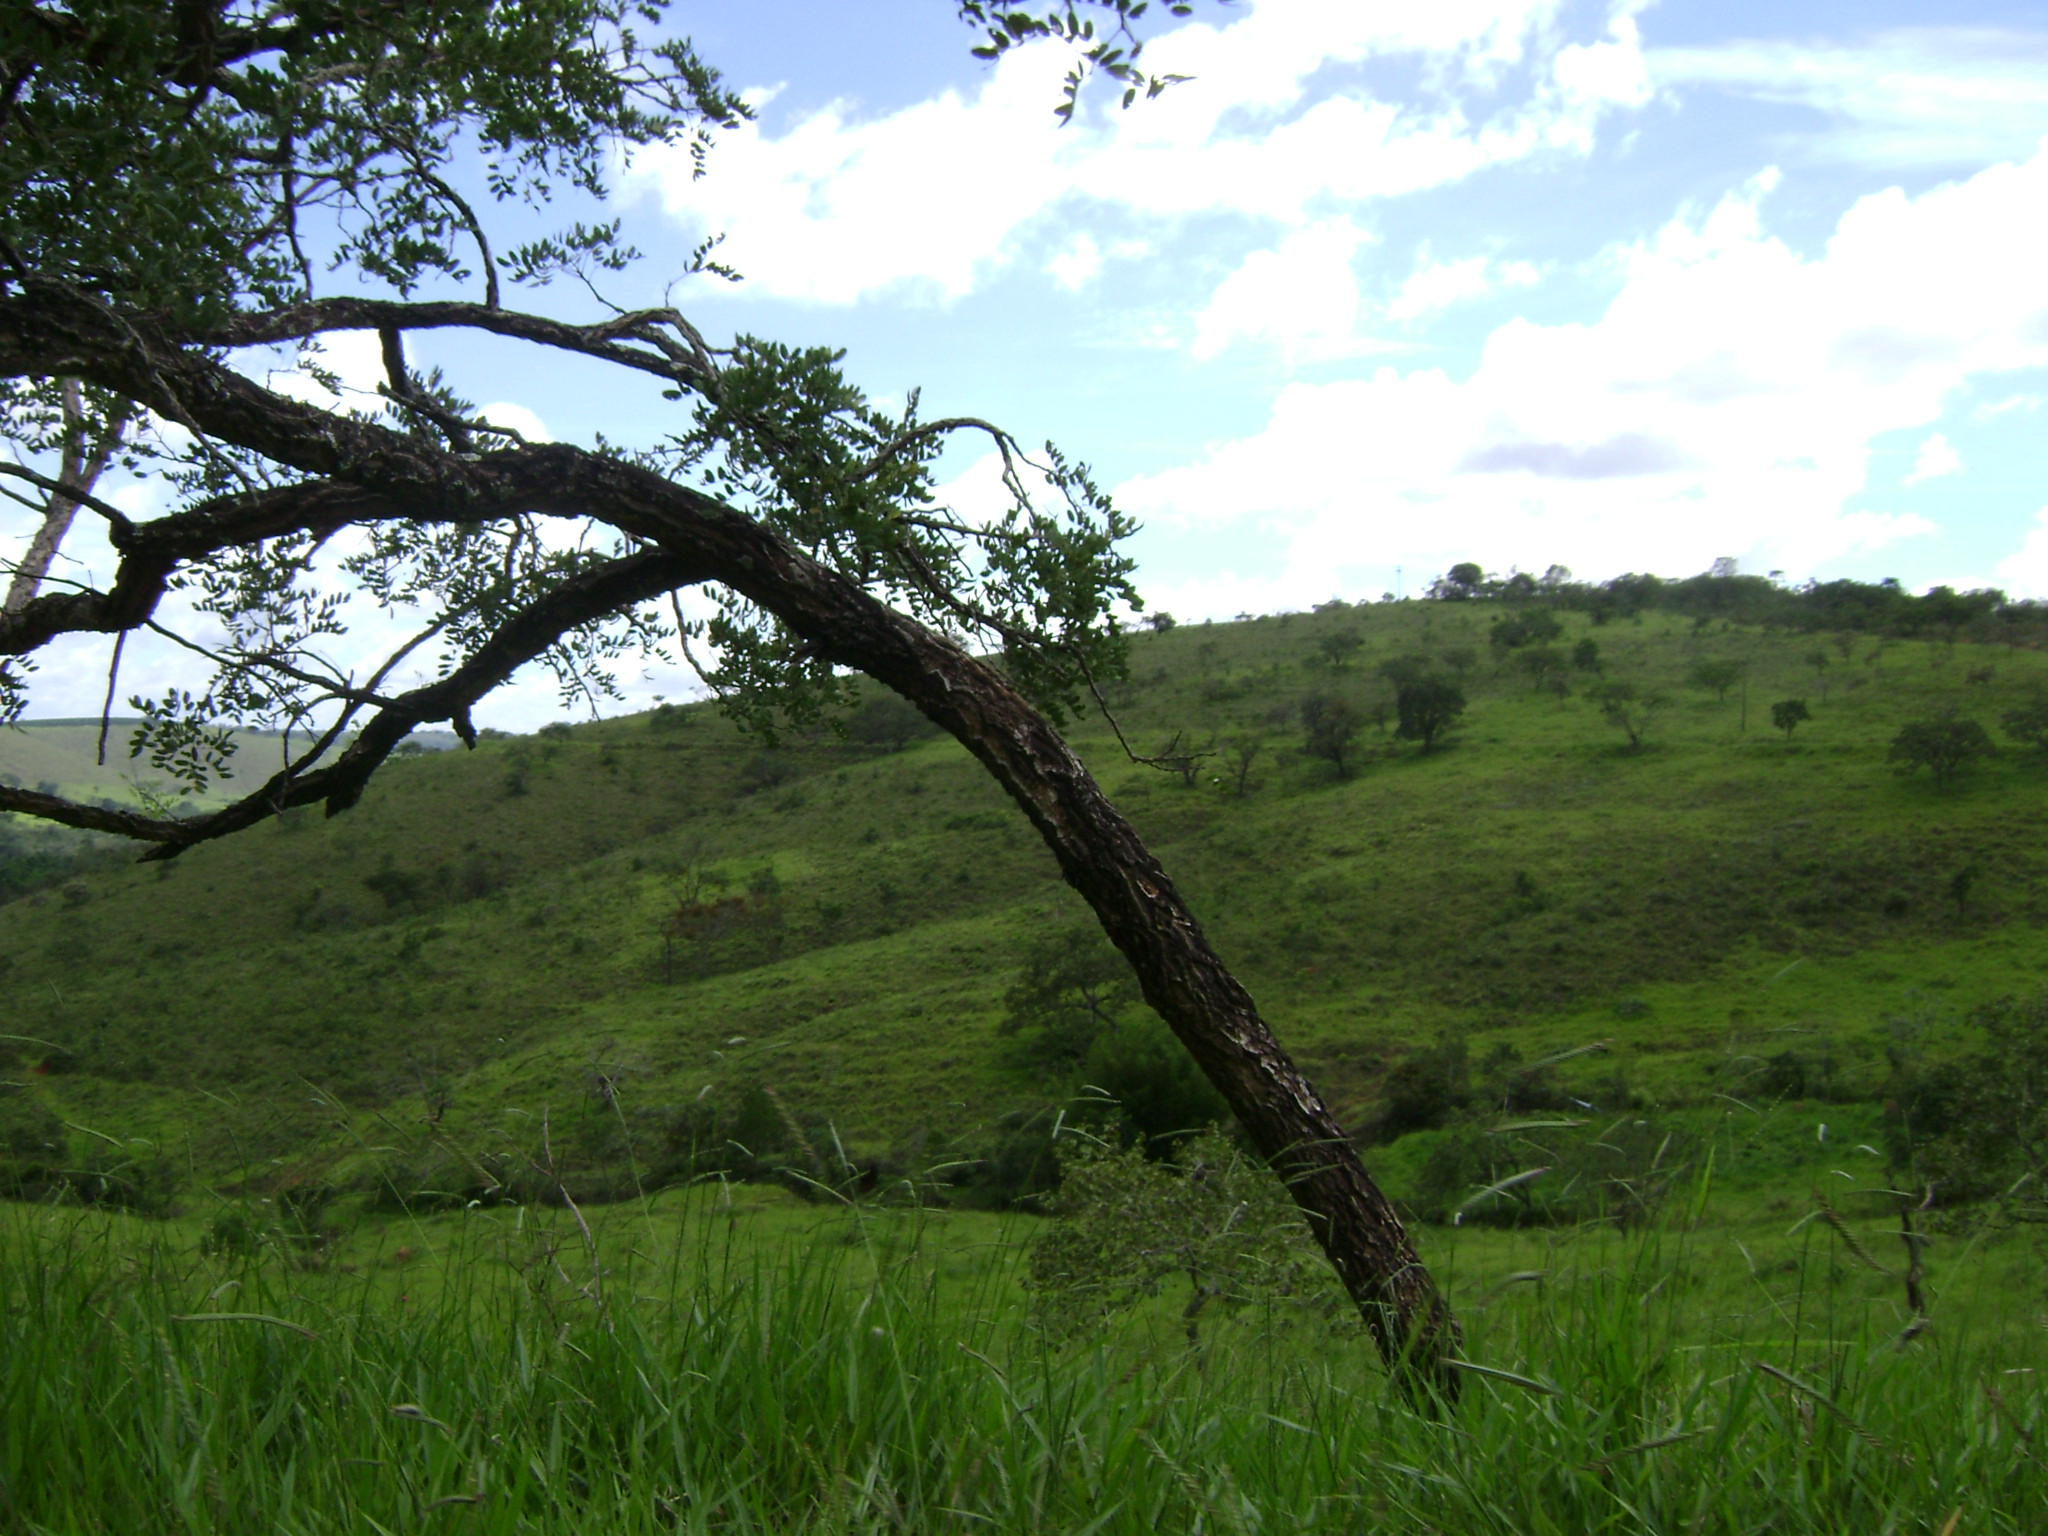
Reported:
(1789, 714)
(1427, 708)
(1628, 708)
(186, 158)
(1116, 54)
(1332, 725)
(1125, 1225)
(1945, 746)
(198, 165)
(1072, 989)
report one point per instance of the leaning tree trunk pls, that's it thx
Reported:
(1183, 980)
(368, 473)
(1206, 1006)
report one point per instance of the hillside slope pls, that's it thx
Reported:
(626, 918)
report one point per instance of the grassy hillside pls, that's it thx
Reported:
(612, 922)
(63, 757)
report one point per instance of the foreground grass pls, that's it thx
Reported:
(699, 1366)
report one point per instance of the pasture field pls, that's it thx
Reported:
(293, 1123)
(662, 905)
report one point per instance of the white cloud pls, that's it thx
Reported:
(1937, 457)
(1919, 96)
(1725, 402)
(1076, 265)
(1996, 408)
(1302, 295)
(1435, 286)
(2024, 573)
(354, 358)
(521, 419)
(934, 196)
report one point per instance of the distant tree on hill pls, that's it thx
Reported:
(1182, 758)
(1716, 676)
(1239, 754)
(1786, 715)
(1336, 650)
(1161, 621)
(1070, 989)
(1428, 707)
(1586, 655)
(2028, 724)
(1945, 746)
(1960, 885)
(1540, 663)
(888, 721)
(1460, 659)
(1332, 725)
(1402, 670)
(1461, 582)
(1629, 709)
(1532, 626)
(1519, 587)
(1817, 659)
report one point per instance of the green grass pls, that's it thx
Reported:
(487, 926)
(730, 1361)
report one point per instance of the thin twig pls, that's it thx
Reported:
(107, 707)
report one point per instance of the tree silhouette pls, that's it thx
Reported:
(1787, 714)
(1427, 708)
(1945, 746)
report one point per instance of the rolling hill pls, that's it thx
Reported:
(614, 932)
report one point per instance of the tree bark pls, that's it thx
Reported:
(81, 470)
(1098, 851)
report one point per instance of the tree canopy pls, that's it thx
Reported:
(183, 185)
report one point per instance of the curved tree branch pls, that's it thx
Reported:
(689, 363)
(581, 599)
(48, 327)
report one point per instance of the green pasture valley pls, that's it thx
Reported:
(662, 906)
(639, 1125)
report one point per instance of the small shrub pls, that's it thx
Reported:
(1159, 1092)
(1946, 746)
(1519, 1174)
(1424, 1089)
(1124, 1225)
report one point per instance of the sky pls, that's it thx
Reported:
(1384, 287)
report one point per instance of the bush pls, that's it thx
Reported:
(1124, 1225)
(1073, 987)
(1426, 709)
(1555, 1172)
(1159, 1092)
(1945, 746)
(890, 722)
(1423, 1089)
(766, 770)
(2028, 725)
(1976, 1127)
(1332, 725)
(1014, 1164)
(1532, 626)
